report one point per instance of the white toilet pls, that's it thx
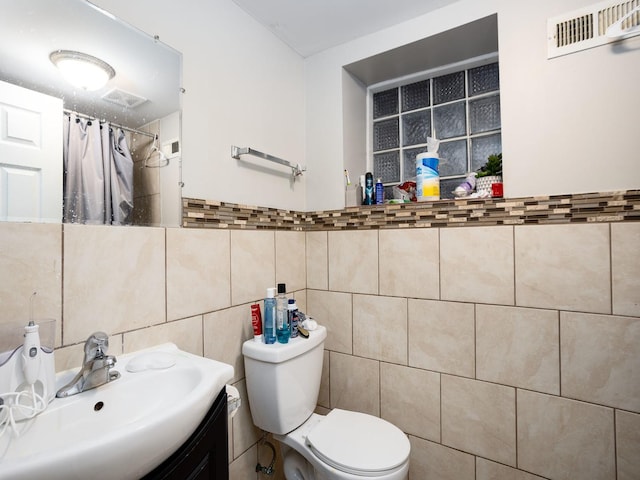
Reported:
(283, 383)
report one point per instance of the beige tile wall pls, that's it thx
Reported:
(31, 261)
(576, 265)
(506, 352)
(112, 280)
(146, 286)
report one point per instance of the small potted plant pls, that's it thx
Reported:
(489, 173)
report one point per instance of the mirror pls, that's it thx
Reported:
(143, 96)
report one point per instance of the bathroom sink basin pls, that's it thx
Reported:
(120, 430)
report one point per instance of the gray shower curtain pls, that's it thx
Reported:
(98, 180)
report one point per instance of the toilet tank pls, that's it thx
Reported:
(283, 380)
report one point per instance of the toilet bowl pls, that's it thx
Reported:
(283, 381)
(345, 445)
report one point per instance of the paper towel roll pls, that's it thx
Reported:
(233, 400)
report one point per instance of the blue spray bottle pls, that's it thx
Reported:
(283, 330)
(270, 316)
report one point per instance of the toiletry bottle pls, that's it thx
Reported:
(270, 316)
(369, 193)
(282, 319)
(256, 322)
(379, 192)
(292, 310)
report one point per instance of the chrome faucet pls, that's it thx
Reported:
(96, 368)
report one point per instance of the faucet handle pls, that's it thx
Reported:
(96, 345)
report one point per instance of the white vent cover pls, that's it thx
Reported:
(124, 99)
(587, 27)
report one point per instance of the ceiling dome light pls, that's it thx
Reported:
(82, 70)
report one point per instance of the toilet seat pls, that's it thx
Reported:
(358, 443)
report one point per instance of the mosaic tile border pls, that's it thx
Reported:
(622, 206)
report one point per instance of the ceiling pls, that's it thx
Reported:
(311, 26)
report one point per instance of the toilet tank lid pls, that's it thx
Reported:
(281, 352)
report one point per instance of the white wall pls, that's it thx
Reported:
(244, 87)
(570, 124)
(553, 111)
(354, 112)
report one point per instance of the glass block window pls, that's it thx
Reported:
(453, 158)
(385, 103)
(483, 79)
(484, 114)
(450, 120)
(415, 95)
(482, 147)
(385, 135)
(416, 127)
(461, 109)
(386, 166)
(448, 88)
(409, 162)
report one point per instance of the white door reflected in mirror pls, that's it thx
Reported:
(30, 155)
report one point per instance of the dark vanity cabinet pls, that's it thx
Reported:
(204, 456)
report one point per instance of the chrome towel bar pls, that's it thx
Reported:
(296, 169)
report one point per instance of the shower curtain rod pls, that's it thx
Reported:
(132, 130)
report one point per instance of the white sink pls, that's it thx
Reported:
(121, 430)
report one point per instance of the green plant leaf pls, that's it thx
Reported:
(492, 167)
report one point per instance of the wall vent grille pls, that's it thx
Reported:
(574, 30)
(587, 27)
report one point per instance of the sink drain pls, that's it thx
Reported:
(98, 406)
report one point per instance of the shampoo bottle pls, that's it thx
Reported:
(282, 318)
(270, 316)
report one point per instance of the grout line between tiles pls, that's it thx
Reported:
(166, 280)
(516, 425)
(62, 238)
(610, 232)
(475, 341)
(439, 264)
(615, 442)
(515, 270)
(559, 353)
